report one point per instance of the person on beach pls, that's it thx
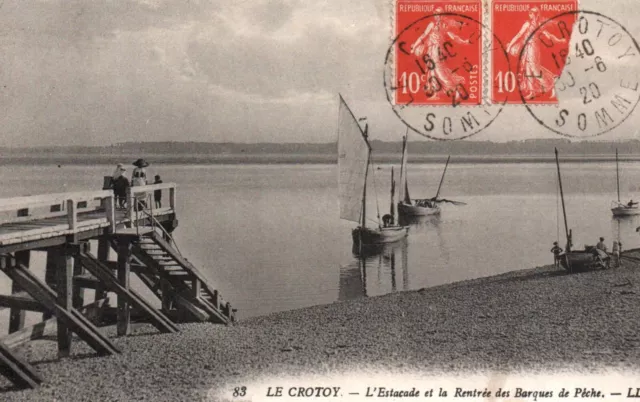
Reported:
(120, 184)
(556, 250)
(139, 178)
(601, 255)
(157, 194)
(601, 245)
(616, 254)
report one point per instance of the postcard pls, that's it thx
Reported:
(331, 201)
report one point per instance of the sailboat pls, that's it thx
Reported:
(578, 260)
(354, 159)
(418, 207)
(618, 208)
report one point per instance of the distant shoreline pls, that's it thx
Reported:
(268, 159)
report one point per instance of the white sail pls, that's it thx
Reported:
(353, 155)
(403, 195)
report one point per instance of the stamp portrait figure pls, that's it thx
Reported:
(433, 44)
(534, 78)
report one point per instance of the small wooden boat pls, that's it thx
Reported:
(407, 207)
(588, 259)
(354, 159)
(617, 207)
(379, 235)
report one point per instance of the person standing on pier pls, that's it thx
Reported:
(157, 194)
(139, 178)
(118, 172)
(120, 184)
(556, 250)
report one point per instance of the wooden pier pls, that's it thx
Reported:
(62, 226)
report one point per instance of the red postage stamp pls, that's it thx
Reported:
(531, 71)
(438, 57)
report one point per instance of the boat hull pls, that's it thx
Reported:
(582, 261)
(379, 235)
(624, 210)
(414, 210)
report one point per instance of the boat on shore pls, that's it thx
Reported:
(590, 258)
(617, 207)
(408, 208)
(354, 161)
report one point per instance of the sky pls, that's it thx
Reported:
(107, 71)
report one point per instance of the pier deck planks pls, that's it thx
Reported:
(17, 232)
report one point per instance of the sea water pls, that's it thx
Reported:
(269, 237)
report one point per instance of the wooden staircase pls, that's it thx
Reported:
(100, 271)
(176, 281)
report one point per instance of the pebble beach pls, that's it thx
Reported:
(534, 320)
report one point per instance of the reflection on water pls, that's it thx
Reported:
(421, 222)
(375, 270)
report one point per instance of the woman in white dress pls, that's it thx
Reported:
(139, 178)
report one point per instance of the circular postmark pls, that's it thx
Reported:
(435, 75)
(598, 88)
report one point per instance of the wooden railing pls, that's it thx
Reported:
(30, 208)
(146, 194)
(39, 216)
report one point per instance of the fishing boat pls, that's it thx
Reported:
(617, 207)
(407, 207)
(588, 259)
(354, 160)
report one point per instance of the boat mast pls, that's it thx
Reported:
(393, 193)
(366, 173)
(564, 212)
(617, 176)
(404, 185)
(442, 178)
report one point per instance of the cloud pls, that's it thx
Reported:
(109, 71)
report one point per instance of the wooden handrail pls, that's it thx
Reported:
(152, 187)
(134, 193)
(31, 207)
(68, 201)
(8, 204)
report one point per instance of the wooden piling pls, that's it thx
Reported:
(124, 267)
(50, 274)
(195, 287)
(103, 255)
(78, 291)
(165, 289)
(64, 271)
(16, 315)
